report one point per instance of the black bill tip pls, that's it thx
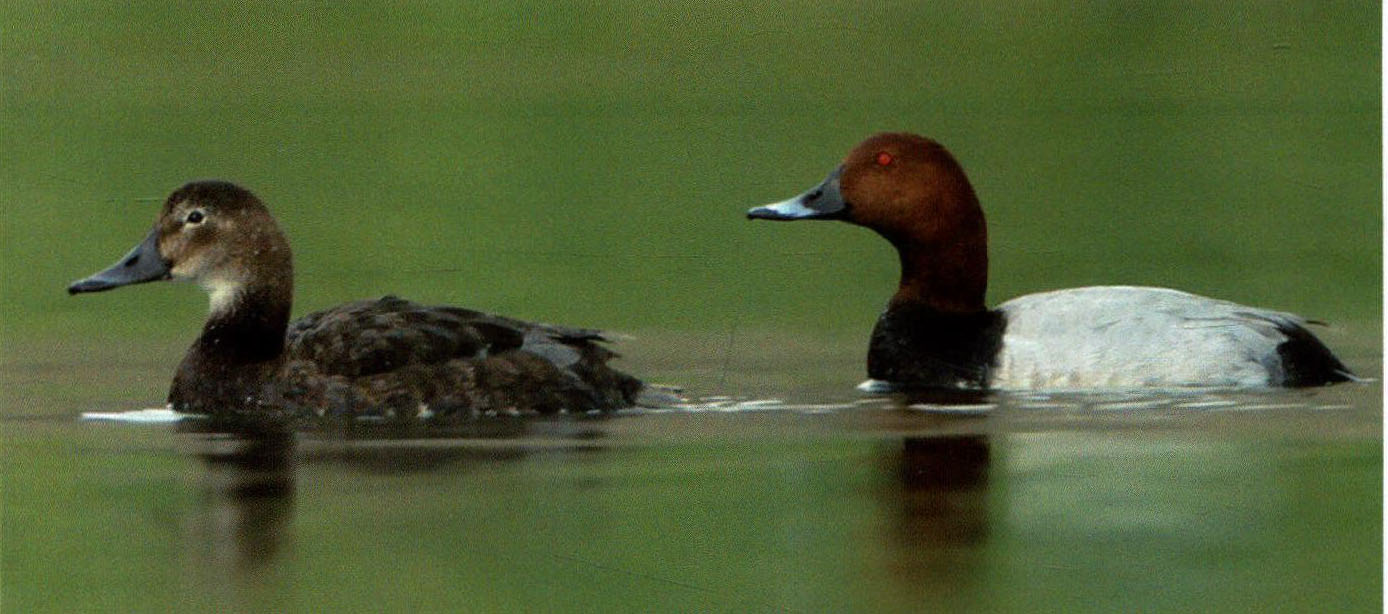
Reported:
(87, 285)
(772, 213)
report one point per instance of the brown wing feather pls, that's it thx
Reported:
(395, 355)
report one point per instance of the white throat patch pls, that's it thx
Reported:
(222, 294)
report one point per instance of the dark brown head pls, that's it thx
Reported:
(910, 190)
(212, 232)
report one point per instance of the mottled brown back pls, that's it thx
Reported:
(397, 357)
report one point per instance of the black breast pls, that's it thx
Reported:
(394, 356)
(919, 347)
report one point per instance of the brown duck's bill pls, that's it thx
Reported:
(142, 264)
(822, 202)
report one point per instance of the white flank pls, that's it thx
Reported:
(1131, 337)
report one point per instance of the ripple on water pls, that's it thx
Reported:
(919, 414)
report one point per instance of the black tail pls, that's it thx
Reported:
(1307, 362)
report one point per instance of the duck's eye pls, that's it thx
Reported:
(194, 217)
(884, 159)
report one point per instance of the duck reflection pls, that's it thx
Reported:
(243, 524)
(405, 448)
(937, 507)
(247, 495)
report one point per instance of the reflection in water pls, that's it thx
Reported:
(247, 498)
(242, 527)
(390, 448)
(938, 508)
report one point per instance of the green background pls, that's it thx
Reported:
(590, 162)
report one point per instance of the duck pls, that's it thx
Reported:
(384, 357)
(937, 333)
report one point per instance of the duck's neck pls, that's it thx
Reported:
(233, 364)
(936, 331)
(247, 324)
(948, 274)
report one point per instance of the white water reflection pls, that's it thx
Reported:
(154, 415)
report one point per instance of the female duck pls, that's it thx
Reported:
(388, 356)
(936, 331)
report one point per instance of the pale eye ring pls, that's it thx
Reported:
(195, 216)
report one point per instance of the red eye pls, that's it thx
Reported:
(884, 158)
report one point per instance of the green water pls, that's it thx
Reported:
(589, 163)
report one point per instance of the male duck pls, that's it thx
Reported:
(387, 356)
(936, 331)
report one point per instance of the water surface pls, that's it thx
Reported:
(1212, 501)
